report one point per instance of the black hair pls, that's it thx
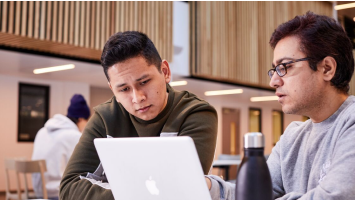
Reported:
(73, 119)
(125, 45)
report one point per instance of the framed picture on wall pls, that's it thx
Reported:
(33, 110)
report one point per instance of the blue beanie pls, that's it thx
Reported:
(78, 107)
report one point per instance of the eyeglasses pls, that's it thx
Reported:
(281, 68)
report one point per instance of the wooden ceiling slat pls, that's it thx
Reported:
(80, 29)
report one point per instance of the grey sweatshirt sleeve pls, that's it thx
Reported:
(220, 189)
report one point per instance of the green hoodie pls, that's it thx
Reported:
(185, 114)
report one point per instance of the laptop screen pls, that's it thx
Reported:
(153, 168)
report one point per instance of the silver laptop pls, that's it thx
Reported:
(164, 168)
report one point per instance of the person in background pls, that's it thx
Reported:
(312, 67)
(143, 105)
(55, 143)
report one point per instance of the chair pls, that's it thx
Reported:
(32, 166)
(21, 166)
(10, 166)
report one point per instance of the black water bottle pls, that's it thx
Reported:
(253, 177)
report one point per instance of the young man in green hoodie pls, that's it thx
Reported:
(143, 105)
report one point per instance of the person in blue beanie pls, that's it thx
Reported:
(55, 143)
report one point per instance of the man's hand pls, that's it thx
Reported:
(209, 183)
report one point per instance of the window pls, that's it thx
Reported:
(230, 129)
(33, 110)
(277, 125)
(254, 120)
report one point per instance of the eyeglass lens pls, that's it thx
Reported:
(281, 70)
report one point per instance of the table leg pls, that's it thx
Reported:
(226, 168)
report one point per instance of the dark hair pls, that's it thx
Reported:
(73, 119)
(125, 45)
(321, 36)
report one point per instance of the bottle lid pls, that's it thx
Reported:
(254, 140)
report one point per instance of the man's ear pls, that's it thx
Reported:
(328, 68)
(165, 69)
(109, 84)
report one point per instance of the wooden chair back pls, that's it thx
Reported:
(32, 166)
(10, 165)
(22, 166)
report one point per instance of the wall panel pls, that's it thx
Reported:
(230, 40)
(80, 29)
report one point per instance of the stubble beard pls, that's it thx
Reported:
(306, 106)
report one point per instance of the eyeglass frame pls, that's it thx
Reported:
(284, 65)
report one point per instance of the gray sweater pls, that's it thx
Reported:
(313, 161)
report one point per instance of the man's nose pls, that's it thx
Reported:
(276, 81)
(138, 96)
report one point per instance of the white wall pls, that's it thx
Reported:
(60, 94)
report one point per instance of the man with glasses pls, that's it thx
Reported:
(315, 159)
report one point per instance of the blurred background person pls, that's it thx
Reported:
(55, 143)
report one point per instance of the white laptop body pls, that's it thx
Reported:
(153, 168)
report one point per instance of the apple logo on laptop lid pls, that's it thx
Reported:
(151, 186)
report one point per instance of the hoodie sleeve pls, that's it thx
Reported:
(220, 189)
(84, 160)
(201, 125)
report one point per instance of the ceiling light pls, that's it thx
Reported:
(344, 6)
(265, 98)
(223, 92)
(178, 83)
(53, 69)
